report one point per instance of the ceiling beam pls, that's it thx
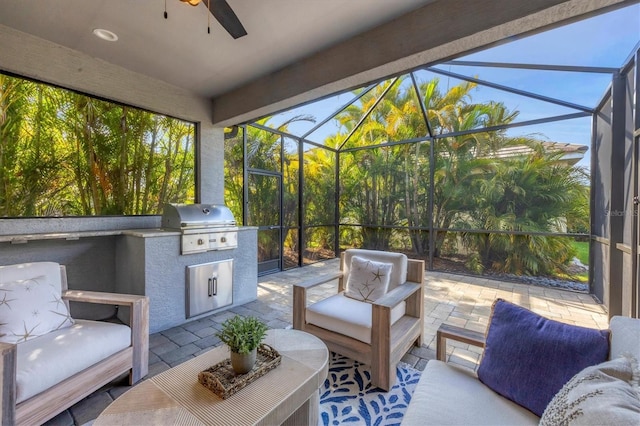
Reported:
(439, 31)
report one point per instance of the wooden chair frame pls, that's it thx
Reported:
(389, 342)
(459, 334)
(49, 403)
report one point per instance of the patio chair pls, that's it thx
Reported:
(378, 330)
(48, 360)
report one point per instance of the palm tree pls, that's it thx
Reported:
(372, 184)
(460, 160)
(386, 185)
(13, 114)
(64, 153)
(530, 193)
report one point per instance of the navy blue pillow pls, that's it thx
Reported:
(528, 358)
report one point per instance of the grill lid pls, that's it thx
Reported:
(180, 216)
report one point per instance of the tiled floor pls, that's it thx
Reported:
(455, 299)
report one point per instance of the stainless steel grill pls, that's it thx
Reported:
(204, 227)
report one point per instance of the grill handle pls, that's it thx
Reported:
(213, 286)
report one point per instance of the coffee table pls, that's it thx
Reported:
(286, 395)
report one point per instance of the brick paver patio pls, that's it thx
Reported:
(456, 299)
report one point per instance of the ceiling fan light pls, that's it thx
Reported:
(191, 2)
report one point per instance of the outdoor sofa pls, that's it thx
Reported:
(606, 393)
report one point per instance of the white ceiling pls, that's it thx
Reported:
(178, 50)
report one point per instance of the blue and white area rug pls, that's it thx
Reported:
(347, 396)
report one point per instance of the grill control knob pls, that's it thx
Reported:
(223, 239)
(200, 241)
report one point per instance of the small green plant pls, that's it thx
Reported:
(242, 334)
(474, 264)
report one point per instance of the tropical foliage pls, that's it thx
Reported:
(482, 181)
(68, 154)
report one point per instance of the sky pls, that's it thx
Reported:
(605, 40)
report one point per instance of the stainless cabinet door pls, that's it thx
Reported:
(209, 287)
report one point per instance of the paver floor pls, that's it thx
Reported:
(456, 299)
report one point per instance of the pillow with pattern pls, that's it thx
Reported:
(30, 308)
(603, 394)
(368, 280)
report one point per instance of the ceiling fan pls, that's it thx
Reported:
(221, 10)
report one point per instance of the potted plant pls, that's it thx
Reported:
(243, 335)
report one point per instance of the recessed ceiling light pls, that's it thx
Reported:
(105, 34)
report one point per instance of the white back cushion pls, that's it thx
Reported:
(399, 261)
(625, 337)
(23, 271)
(31, 301)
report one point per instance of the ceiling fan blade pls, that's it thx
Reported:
(221, 10)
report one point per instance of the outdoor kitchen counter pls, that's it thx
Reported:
(23, 238)
(158, 232)
(150, 233)
(149, 262)
(144, 261)
(142, 233)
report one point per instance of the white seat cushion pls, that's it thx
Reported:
(47, 360)
(447, 395)
(347, 316)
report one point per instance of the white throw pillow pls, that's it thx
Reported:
(368, 280)
(30, 308)
(602, 394)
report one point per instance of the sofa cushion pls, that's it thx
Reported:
(448, 395)
(625, 337)
(606, 393)
(528, 358)
(347, 316)
(47, 360)
(399, 261)
(31, 302)
(368, 280)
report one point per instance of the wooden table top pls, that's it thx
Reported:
(176, 397)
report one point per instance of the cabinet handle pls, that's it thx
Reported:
(210, 287)
(215, 286)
